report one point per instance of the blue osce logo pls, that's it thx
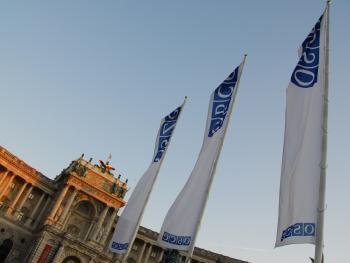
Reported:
(165, 133)
(176, 240)
(119, 246)
(221, 102)
(305, 73)
(299, 229)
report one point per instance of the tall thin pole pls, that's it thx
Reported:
(190, 251)
(143, 209)
(319, 244)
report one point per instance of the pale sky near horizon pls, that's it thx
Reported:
(98, 76)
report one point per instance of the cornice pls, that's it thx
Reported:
(13, 163)
(95, 192)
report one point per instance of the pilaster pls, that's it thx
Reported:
(67, 206)
(148, 253)
(63, 193)
(140, 256)
(41, 213)
(3, 177)
(109, 226)
(100, 221)
(22, 202)
(161, 256)
(15, 200)
(6, 187)
(35, 210)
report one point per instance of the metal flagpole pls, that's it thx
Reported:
(143, 209)
(323, 165)
(190, 251)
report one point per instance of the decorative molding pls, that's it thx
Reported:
(93, 187)
(97, 193)
(28, 173)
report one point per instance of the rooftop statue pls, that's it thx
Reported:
(105, 166)
(76, 167)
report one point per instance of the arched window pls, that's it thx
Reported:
(71, 259)
(85, 209)
(5, 249)
(80, 220)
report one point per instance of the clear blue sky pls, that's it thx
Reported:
(97, 77)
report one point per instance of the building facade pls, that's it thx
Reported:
(69, 219)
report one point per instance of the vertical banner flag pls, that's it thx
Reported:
(300, 175)
(129, 221)
(182, 221)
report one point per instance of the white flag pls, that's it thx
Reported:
(129, 221)
(300, 176)
(182, 220)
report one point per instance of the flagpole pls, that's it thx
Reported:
(319, 244)
(190, 251)
(143, 209)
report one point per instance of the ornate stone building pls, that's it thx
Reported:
(69, 219)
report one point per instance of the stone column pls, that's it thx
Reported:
(109, 226)
(42, 211)
(161, 255)
(67, 206)
(15, 200)
(148, 253)
(3, 177)
(58, 203)
(89, 230)
(32, 214)
(100, 221)
(140, 256)
(23, 201)
(5, 188)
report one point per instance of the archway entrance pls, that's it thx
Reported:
(5, 249)
(71, 259)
